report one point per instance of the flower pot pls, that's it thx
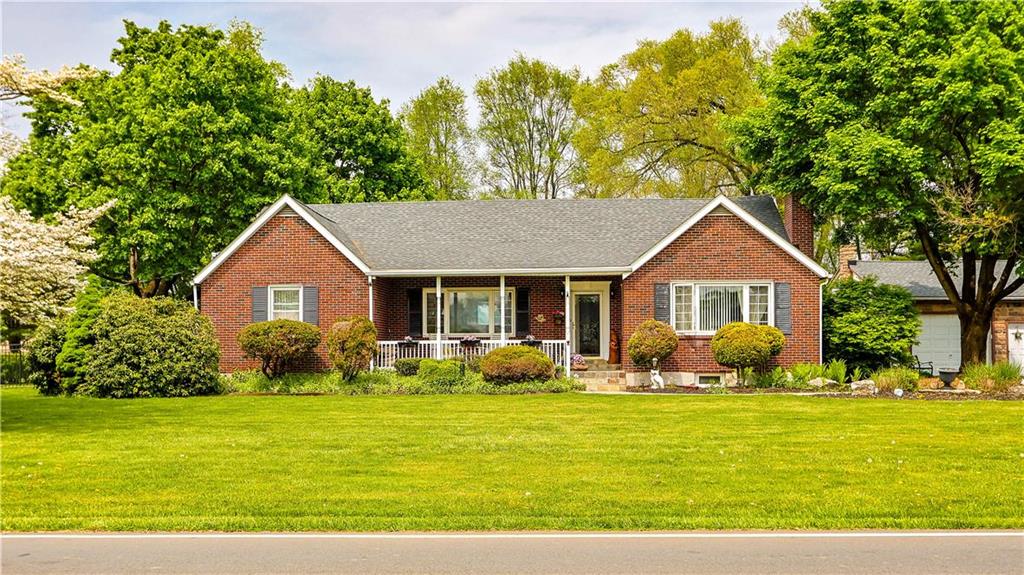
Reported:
(947, 376)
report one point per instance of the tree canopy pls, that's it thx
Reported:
(355, 148)
(655, 122)
(437, 125)
(526, 124)
(903, 117)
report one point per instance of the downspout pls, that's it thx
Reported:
(195, 296)
(369, 280)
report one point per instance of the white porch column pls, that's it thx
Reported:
(568, 329)
(437, 318)
(501, 294)
(369, 280)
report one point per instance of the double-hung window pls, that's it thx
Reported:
(702, 308)
(286, 302)
(469, 311)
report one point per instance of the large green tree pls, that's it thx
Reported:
(440, 137)
(526, 126)
(181, 137)
(654, 123)
(909, 115)
(356, 150)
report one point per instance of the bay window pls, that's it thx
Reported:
(702, 308)
(469, 311)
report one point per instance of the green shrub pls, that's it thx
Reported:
(772, 378)
(999, 376)
(868, 324)
(800, 374)
(515, 364)
(742, 345)
(383, 382)
(442, 373)
(156, 347)
(408, 365)
(652, 340)
(351, 345)
(473, 364)
(78, 339)
(891, 378)
(836, 371)
(278, 344)
(40, 355)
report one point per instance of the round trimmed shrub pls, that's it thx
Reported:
(652, 340)
(516, 364)
(407, 365)
(278, 343)
(443, 374)
(41, 357)
(156, 347)
(742, 345)
(351, 345)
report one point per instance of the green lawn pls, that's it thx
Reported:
(569, 461)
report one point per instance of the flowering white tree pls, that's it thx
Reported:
(17, 81)
(42, 264)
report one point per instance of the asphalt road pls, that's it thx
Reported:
(875, 553)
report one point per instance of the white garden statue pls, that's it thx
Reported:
(657, 382)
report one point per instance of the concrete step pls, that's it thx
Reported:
(608, 385)
(593, 374)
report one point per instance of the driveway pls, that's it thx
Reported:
(874, 553)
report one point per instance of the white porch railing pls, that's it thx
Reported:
(390, 351)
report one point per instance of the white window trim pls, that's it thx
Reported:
(270, 298)
(495, 304)
(695, 301)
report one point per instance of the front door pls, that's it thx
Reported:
(588, 324)
(1015, 343)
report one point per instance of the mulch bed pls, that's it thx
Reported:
(917, 395)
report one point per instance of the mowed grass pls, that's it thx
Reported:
(569, 461)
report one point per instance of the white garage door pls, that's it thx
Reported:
(940, 341)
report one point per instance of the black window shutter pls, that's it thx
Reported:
(783, 308)
(259, 303)
(522, 312)
(415, 311)
(661, 303)
(311, 305)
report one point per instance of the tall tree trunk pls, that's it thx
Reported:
(974, 329)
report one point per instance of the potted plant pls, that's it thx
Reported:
(407, 342)
(577, 362)
(469, 341)
(559, 316)
(531, 341)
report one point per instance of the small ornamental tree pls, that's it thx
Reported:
(742, 345)
(867, 324)
(41, 356)
(652, 340)
(278, 343)
(351, 345)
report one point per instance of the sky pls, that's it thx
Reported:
(397, 49)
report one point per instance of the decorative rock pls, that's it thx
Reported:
(822, 382)
(864, 387)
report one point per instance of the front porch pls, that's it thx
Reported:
(464, 317)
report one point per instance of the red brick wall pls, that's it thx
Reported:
(799, 222)
(286, 250)
(723, 247)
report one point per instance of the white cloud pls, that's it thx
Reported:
(396, 49)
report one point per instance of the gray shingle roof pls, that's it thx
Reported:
(916, 276)
(515, 234)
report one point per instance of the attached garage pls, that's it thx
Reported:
(940, 327)
(940, 341)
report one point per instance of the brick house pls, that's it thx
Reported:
(939, 343)
(577, 276)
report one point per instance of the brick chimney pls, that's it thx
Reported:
(799, 222)
(847, 254)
